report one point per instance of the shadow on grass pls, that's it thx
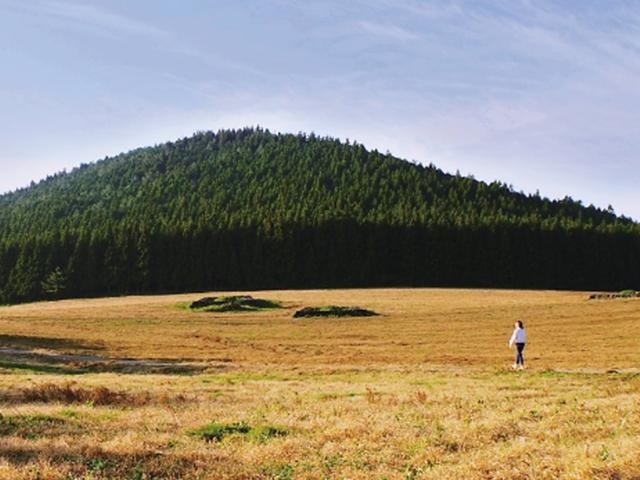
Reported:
(33, 427)
(36, 363)
(39, 368)
(21, 341)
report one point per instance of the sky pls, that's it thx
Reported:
(542, 95)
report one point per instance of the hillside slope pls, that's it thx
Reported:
(250, 209)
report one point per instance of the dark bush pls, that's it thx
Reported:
(334, 311)
(234, 303)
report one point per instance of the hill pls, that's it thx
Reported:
(251, 209)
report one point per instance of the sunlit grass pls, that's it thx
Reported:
(423, 391)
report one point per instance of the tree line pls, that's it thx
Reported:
(248, 209)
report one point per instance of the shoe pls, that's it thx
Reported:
(521, 367)
(514, 366)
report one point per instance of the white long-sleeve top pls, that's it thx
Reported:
(518, 336)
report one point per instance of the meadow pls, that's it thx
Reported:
(144, 388)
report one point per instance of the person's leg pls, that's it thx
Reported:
(520, 357)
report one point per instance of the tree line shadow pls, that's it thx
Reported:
(50, 343)
(98, 461)
(20, 354)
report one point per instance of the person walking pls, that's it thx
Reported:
(518, 338)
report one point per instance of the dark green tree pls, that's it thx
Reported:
(55, 283)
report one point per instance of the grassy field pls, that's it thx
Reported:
(142, 388)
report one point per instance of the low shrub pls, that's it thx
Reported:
(611, 296)
(235, 303)
(334, 311)
(628, 294)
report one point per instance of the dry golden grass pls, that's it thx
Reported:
(422, 391)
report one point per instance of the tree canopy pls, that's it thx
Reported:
(251, 209)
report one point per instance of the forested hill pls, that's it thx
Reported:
(249, 177)
(250, 209)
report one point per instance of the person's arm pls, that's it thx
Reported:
(513, 338)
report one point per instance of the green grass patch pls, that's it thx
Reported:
(216, 432)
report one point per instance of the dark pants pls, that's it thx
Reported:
(519, 357)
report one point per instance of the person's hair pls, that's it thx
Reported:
(520, 324)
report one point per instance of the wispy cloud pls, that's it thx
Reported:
(95, 16)
(392, 32)
(90, 17)
(427, 9)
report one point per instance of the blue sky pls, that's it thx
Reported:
(539, 94)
